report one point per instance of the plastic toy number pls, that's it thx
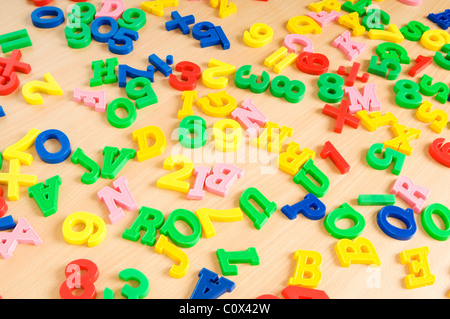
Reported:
(177, 180)
(76, 280)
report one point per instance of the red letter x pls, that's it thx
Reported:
(341, 115)
(8, 78)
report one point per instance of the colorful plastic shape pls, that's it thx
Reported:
(111, 8)
(342, 116)
(350, 48)
(53, 157)
(211, 286)
(15, 40)
(294, 158)
(345, 211)
(119, 195)
(31, 90)
(352, 22)
(160, 65)
(17, 150)
(56, 17)
(418, 266)
(128, 291)
(421, 63)
(149, 220)
(376, 199)
(80, 274)
(391, 34)
(372, 121)
(414, 195)
(7, 223)
(280, 59)
(93, 169)
(14, 179)
(323, 18)
(170, 230)
(125, 71)
(357, 251)
(156, 7)
(440, 151)
(227, 135)
(115, 160)
(442, 19)
(430, 226)
(207, 215)
(406, 216)
(330, 87)
(121, 103)
(141, 136)
(227, 259)
(330, 151)
(258, 35)
(403, 136)
(273, 137)
(97, 100)
(388, 157)
(222, 177)
(258, 218)
(443, 60)
(46, 195)
(249, 117)
(9, 81)
(352, 75)
(179, 270)
(307, 269)
(179, 22)
(437, 118)
(104, 72)
(23, 233)
(319, 187)
(93, 232)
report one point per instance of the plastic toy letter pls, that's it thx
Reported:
(250, 118)
(46, 196)
(149, 220)
(357, 251)
(420, 273)
(164, 246)
(210, 286)
(411, 193)
(23, 233)
(146, 152)
(268, 207)
(307, 270)
(121, 196)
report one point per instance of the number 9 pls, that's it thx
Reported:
(258, 36)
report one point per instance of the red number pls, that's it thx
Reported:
(76, 280)
(312, 63)
(440, 151)
(190, 73)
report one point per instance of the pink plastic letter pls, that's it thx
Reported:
(351, 48)
(121, 196)
(197, 192)
(249, 117)
(413, 195)
(97, 100)
(368, 100)
(23, 233)
(111, 8)
(222, 177)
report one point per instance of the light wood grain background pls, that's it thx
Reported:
(38, 271)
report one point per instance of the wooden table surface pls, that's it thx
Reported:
(38, 271)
